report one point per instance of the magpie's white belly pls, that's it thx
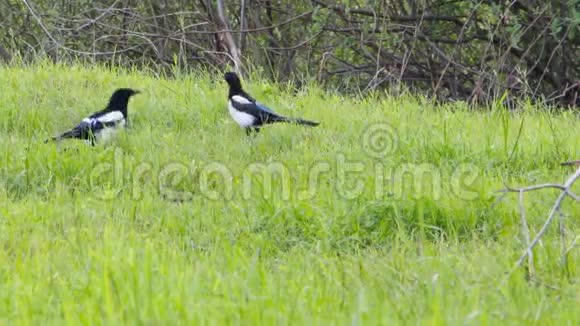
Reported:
(107, 134)
(243, 119)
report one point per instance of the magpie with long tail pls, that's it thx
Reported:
(250, 114)
(103, 125)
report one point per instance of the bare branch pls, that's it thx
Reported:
(567, 185)
(526, 234)
(565, 190)
(542, 186)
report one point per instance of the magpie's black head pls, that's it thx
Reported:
(234, 81)
(120, 98)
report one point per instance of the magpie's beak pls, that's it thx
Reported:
(135, 92)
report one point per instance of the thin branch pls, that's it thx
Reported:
(571, 247)
(57, 43)
(526, 234)
(568, 184)
(259, 29)
(555, 209)
(456, 48)
(562, 230)
(301, 44)
(399, 18)
(563, 94)
(542, 186)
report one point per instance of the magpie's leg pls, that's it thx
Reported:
(252, 131)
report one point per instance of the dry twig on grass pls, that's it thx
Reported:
(565, 192)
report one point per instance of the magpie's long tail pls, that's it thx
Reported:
(576, 162)
(53, 138)
(298, 121)
(74, 133)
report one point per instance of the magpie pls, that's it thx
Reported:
(104, 124)
(250, 114)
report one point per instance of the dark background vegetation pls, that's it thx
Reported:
(449, 49)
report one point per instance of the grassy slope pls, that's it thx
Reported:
(118, 248)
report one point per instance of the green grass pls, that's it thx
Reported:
(169, 225)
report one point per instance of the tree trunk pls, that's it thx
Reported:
(233, 49)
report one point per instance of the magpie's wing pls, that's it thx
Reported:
(255, 109)
(83, 130)
(93, 124)
(265, 108)
(247, 97)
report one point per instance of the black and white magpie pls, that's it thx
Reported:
(103, 125)
(252, 115)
